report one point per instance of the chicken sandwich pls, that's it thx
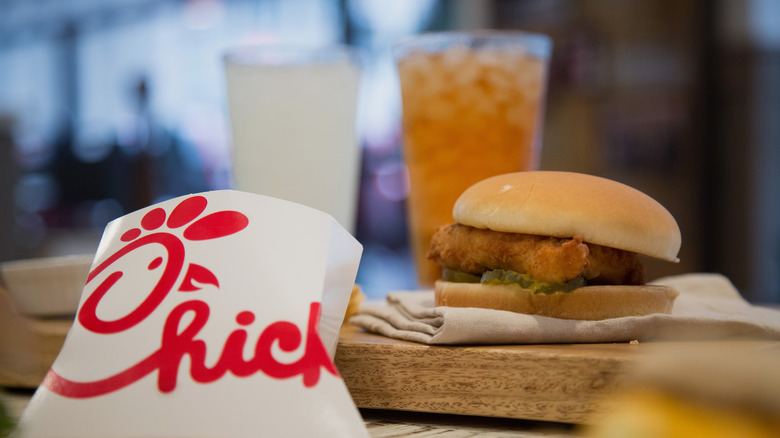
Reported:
(556, 244)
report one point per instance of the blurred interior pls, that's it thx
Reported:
(107, 106)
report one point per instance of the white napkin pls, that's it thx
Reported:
(708, 307)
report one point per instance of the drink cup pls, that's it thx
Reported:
(292, 113)
(473, 107)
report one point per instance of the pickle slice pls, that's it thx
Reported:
(551, 288)
(505, 276)
(459, 276)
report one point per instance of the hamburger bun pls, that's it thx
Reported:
(586, 303)
(563, 205)
(566, 204)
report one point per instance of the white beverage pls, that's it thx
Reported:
(293, 120)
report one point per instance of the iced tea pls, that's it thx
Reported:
(470, 110)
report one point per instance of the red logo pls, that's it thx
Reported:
(177, 341)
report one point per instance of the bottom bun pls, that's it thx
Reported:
(587, 303)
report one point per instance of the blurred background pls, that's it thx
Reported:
(107, 106)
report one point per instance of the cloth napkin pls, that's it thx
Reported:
(708, 307)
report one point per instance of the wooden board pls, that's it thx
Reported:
(541, 382)
(569, 383)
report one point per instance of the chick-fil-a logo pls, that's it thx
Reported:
(177, 342)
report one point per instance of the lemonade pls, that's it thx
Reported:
(468, 114)
(293, 119)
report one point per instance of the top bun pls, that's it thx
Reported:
(566, 204)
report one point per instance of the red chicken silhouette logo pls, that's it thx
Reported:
(212, 226)
(186, 213)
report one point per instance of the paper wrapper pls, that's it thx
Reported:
(209, 315)
(708, 307)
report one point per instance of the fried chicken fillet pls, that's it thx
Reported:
(547, 259)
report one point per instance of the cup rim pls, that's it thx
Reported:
(287, 54)
(538, 44)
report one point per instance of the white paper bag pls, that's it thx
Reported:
(209, 315)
